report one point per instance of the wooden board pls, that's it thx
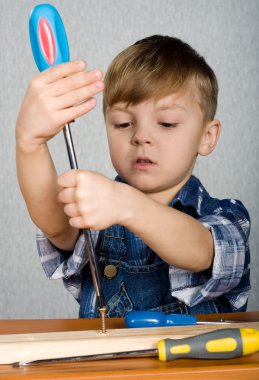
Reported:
(29, 347)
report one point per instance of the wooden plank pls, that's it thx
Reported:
(29, 347)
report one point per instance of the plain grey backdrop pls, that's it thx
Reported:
(226, 32)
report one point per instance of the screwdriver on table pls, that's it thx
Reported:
(150, 318)
(50, 47)
(218, 344)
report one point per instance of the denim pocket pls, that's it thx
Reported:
(119, 304)
(173, 307)
(180, 307)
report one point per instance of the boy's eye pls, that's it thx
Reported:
(123, 125)
(168, 125)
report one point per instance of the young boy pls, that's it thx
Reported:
(162, 242)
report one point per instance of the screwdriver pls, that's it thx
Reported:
(150, 318)
(50, 47)
(219, 344)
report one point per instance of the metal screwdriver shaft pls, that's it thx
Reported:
(87, 234)
(70, 147)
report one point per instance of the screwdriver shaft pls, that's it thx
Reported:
(87, 234)
(113, 355)
(70, 147)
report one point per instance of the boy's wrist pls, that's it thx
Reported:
(29, 147)
(133, 207)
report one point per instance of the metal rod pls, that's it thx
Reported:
(87, 234)
(70, 147)
(112, 355)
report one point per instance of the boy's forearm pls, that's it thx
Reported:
(38, 182)
(177, 238)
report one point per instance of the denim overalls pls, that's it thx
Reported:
(141, 282)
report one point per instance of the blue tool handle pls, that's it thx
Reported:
(151, 318)
(48, 37)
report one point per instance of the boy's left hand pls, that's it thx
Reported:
(92, 200)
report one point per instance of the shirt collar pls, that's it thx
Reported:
(190, 194)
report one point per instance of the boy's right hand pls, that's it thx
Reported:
(55, 97)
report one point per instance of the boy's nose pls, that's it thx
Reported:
(141, 136)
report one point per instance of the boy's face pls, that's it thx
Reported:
(154, 144)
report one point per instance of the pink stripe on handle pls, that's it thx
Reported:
(47, 41)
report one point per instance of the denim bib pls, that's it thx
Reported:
(141, 281)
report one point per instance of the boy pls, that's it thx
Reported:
(163, 243)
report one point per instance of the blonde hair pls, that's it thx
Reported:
(158, 66)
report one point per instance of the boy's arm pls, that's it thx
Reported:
(54, 97)
(38, 182)
(94, 201)
(178, 238)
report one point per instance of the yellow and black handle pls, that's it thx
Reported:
(219, 344)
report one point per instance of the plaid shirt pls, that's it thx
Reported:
(229, 224)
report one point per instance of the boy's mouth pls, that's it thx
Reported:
(144, 160)
(143, 163)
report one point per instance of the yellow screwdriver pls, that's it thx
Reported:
(219, 344)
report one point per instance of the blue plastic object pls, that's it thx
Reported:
(148, 318)
(48, 37)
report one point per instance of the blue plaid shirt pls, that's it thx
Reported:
(229, 224)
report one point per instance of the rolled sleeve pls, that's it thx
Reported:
(230, 228)
(229, 253)
(58, 264)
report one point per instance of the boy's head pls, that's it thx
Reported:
(158, 66)
(160, 99)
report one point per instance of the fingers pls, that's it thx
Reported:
(67, 195)
(77, 91)
(62, 70)
(78, 222)
(78, 96)
(71, 193)
(76, 198)
(75, 81)
(76, 111)
(64, 92)
(68, 179)
(71, 210)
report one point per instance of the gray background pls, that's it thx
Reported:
(226, 32)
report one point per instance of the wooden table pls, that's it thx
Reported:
(132, 368)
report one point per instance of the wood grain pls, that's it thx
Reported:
(38, 346)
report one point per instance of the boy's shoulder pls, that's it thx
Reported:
(194, 195)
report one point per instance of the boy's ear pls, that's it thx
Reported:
(209, 138)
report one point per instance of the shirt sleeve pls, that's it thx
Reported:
(68, 266)
(229, 225)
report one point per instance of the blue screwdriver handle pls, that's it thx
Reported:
(149, 318)
(50, 47)
(48, 37)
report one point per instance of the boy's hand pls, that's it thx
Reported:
(93, 200)
(55, 97)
